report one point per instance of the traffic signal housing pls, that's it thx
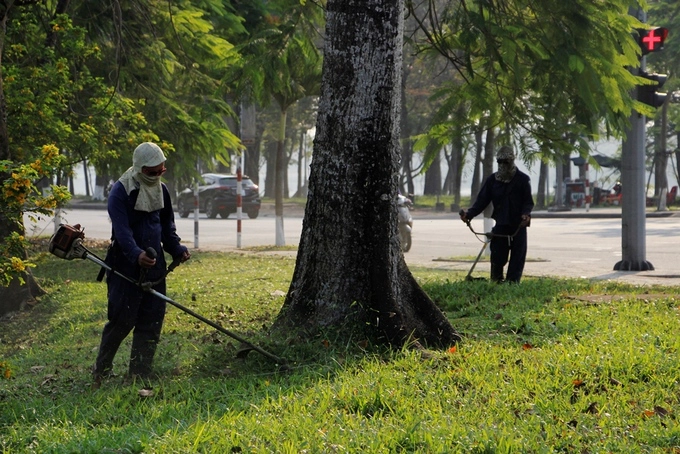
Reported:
(648, 94)
(652, 40)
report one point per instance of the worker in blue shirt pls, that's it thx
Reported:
(142, 216)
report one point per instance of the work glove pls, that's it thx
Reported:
(526, 220)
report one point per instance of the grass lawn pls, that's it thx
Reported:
(548, 366)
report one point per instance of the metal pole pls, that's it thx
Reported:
(239, 202)
(587, 187)
(195, 214)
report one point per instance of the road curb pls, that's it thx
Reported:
(599, 213)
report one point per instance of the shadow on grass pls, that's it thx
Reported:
(480, 307)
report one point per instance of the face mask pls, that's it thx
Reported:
(148, 180)
(506, 170)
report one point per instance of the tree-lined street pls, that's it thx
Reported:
(563, 245)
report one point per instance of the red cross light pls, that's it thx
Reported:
(652, 40)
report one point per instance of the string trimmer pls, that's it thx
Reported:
(67, 243)
(487, 236)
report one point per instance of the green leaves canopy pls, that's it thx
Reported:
(551, 68)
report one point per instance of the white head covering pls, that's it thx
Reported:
(150, 197)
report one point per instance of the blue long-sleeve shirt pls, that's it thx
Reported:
(510, 200)
(134, 231)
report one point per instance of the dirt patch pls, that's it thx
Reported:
(599, 299)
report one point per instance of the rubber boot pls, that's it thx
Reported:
(496, 274)
(141, 356)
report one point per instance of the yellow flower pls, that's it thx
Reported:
(18, 264)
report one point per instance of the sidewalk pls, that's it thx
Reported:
(598, 212)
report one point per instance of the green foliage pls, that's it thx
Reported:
(18, 194)
(542, 70)
(550, 365)
(53, 97)
(169, 59)
(281, 59)
(56, 111)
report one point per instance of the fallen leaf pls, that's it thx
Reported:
(452, 349)
(527, 346)
(648, 413)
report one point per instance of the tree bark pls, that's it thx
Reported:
(541, 201)
(456, 164)
(661, 158)
(350, 273)
(433, 174)
(407, 145)
(279, 177)
(476, 183)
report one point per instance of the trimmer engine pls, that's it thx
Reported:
(67, 242)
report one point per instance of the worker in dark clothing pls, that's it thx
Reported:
(142, 216)
(509, 190)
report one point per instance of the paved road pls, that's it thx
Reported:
(575, 244)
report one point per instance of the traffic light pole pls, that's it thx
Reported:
(633, 201)
(633, 222)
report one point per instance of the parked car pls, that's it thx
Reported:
(217, 195)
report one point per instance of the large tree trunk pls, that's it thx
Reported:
(476, 183)
(280, 168)
(350, 272)
(433, 174)
(661, 159)
(270, 150)
(407, 144)
(541, 200)
(457, 164)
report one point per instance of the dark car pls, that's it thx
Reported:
(217, 195)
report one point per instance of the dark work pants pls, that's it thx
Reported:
(501, 248)
(130, 308)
